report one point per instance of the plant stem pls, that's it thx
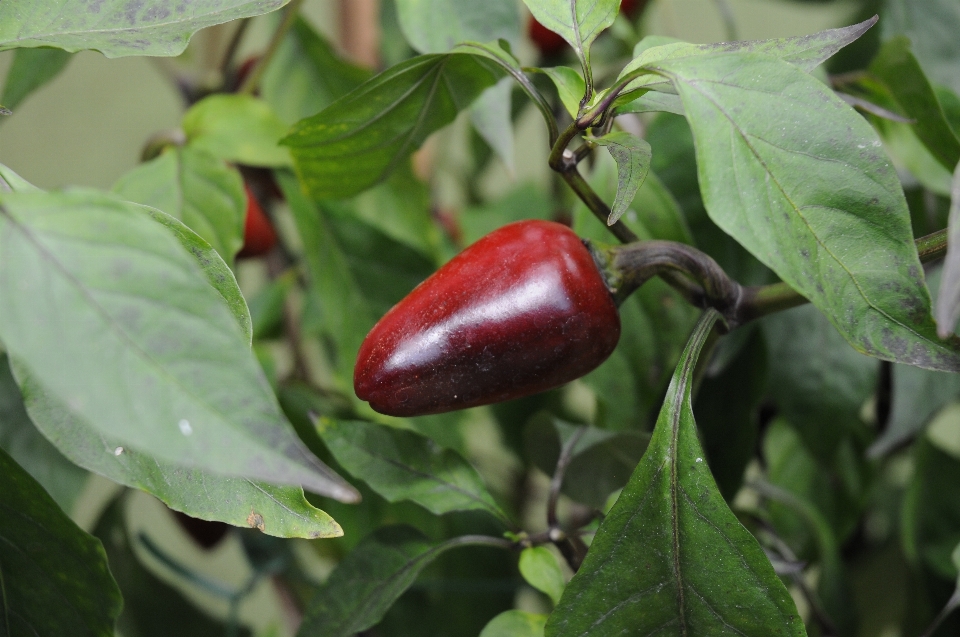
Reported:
(253, 80)
(233, 45)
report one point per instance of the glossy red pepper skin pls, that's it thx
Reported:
(259, 237)
(520, 311)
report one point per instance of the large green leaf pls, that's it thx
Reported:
(274, 510)
(819, 384)
(306, 75)
(816, 200)
(404, 465)
(31, 69)
(896, 66)
(238, 128)
(579, 22)
(197, 188)
(437, 26)
(359, 140)
(118, 27)
(62, 479)
(370, 578)
(670, 558)
(54, 578)
(118, 322)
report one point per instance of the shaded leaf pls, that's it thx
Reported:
(570, 86)
(237, 128)
(404, 465)
(632, 155)
(143, 321)
(62, 479)
(306, 75)
(932, 27)
(819, 384)
(539, 567)
(31, 69)
(900, 71)
(54, 578)
(653, 101)
(195, 187)
(116, 27)
(369, 579)
(931, 520)
(515, 623)
(579, 22)
(274, 510)
(670, 557)
(807, 205)
(358, 140)
(437, 26)
(526, 201)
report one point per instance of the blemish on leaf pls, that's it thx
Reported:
(255, 521)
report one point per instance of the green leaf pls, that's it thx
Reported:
(670, 557)
(116, 27)
(899, 70)
(62, 479)
(31, 69)
(947, 310)
(151, 607)
(12, 182)
(144, 322)
(195, 187)
(526, 201)
(806, 52)
(238, 128)
(653, 101)
(54, 578)
(370, 578)
(570, 86)
(932, 26)
(515, 623)
(404, 465)
(539, 567)
(274, 510)
(632, 155)
(824, 211)
(819, 384)
(437, 26)
(359, 140)
(306, 75)
(579, 22)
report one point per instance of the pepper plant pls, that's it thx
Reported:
(766, 440)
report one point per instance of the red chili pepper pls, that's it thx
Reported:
(259, 237)
(522, 310)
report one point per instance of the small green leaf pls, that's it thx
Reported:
(670, 556)
(117, 28)
(31, 69)
(370, 578)
(404, 465)
(237, 128)
(539, 567)
(144, 321)
(579, 22)
(437, 26)
(515, 623)
(806, 205)
(195, 187)
(896, 67)
(54, 578)
(306, 75)
(570, 87)
(274, 510)
(358, 140)
(12, 182)
(632, 155)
